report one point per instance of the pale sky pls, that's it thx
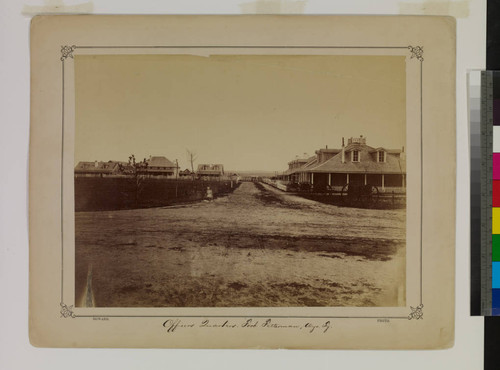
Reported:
(247, 112)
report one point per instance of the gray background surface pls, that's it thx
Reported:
(15, 350)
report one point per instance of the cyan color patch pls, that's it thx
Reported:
(495, 278)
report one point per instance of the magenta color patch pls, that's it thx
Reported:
(496, 166)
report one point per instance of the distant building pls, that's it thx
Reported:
(210, 171)
(186, 173)
(156, 167)
(97, 169)
(292, 174)
(161, 167)
(356, 163)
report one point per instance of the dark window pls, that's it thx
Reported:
(381, 157)
(355, 156)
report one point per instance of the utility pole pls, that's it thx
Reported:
(176, 176)
(191, 157)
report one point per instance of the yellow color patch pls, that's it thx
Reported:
(496, 220)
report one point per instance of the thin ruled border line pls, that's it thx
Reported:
(247, 47)
(421, 180)
(253, 316)
(62, 194)
(238, 47)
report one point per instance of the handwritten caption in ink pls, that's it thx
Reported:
(174, 325)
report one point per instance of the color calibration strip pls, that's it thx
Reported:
(485, 193)
(484, 108)
(493, 116)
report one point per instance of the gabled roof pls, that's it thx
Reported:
(395, 162)
(210, 166)
(357, 146)
(96, 167)
(306, 163)
(160, 162)
(211, 169)
(311, 162)
(367, 164)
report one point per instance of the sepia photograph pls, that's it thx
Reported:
(240, 180)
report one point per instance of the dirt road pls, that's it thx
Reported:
(256, 247)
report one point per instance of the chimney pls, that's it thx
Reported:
(327, 147)
(96, 164)
(403, 154)
(343, 151)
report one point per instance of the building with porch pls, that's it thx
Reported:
(186, 173)
(156, 167)
(293, 173)
(354, 163)
(97, 169)
(210, 171)
(160, 167)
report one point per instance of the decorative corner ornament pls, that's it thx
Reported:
(67, 311)
(416, 312)
(416, 52)
(67, 51)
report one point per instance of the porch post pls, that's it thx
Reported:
(365, 178)
(329, 179)
(347, 178)
(312, 178)
(383, 181)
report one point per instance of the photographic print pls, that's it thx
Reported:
(240, 180)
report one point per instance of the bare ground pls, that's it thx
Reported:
(257, 247)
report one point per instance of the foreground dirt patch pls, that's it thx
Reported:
(243, 251)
